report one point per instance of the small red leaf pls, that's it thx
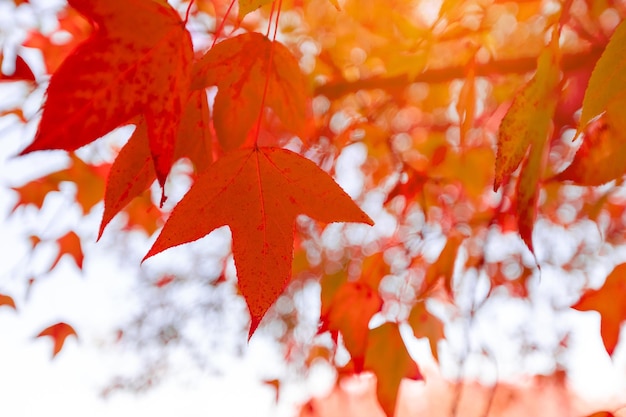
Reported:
(58, 332)
(164, 281)
(69, 244)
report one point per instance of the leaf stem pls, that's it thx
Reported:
(217, 33)
(269, 65)
(188, 11)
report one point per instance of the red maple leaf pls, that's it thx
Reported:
(258, 192)
(69, 244)
(58, 332)
(136, 62)
(250, 71)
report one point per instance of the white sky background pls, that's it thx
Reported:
(95, 302)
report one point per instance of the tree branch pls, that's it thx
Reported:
(570, 62)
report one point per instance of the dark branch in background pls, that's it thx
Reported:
(570, 62)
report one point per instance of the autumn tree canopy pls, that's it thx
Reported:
(478, 143)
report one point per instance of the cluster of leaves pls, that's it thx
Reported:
(464, 115)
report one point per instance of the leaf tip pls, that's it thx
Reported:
(254, 324)
(8, 301)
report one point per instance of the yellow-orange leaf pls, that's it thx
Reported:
(528, 119)
(602, 156)
(608, 79)
(524, 133)
(247, 6)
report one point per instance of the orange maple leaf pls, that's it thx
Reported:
(426, 325)
(388, 359)
(443, 268)
(250, 71)
(89, 180)
(258, 192)
(69, 244)
(6, 300)
(350, 312)
(523, 136)
(602, 155)
(136, 62)
(610, 302)
(58, 332)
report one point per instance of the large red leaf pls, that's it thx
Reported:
(258, 192)
(610, 302)
(132, 171)
(389, 360)
(58, 332)
(250, 71)
(136, 62)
